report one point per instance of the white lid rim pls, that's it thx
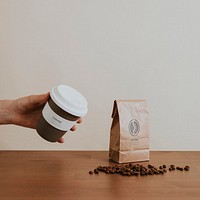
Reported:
(63, 106)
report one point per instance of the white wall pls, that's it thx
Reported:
(107, 49)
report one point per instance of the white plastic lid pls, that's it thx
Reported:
(70, 100)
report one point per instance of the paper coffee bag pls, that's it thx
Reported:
(129, 135)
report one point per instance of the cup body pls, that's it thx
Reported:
(60, 113)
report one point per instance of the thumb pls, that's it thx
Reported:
(39, 100)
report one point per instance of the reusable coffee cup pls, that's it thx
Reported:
(64, 107)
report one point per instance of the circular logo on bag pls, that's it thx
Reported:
(134, 127)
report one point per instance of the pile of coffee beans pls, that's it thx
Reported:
(136, 169)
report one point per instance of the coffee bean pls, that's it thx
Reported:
(90, 172)
(129, 173)
(128, 169)
(130, 165)
(150, 166)
(179, 168)
(142, 173)
(173, 167)
(161, 171)
(112, 171)
(186, 168)
(136, 174)
(155, 171)
(150, 172)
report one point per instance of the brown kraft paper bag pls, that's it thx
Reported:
(129, 134)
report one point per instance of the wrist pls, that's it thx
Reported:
(6, 113)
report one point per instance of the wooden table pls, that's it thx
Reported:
(35, 175)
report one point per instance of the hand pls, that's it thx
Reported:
(26, 111)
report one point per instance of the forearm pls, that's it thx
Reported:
(6, 113)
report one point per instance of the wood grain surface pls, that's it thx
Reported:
(35, 175)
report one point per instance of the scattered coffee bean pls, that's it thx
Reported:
(186, 168)
(173, 167)
(150, 166)
(150, 172)
(136, 169)
(179, 168)
(136, 174)
(129, 174)
(96, 171)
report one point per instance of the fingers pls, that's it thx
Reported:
(73, 128)
(78, 122)
(61, 140)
